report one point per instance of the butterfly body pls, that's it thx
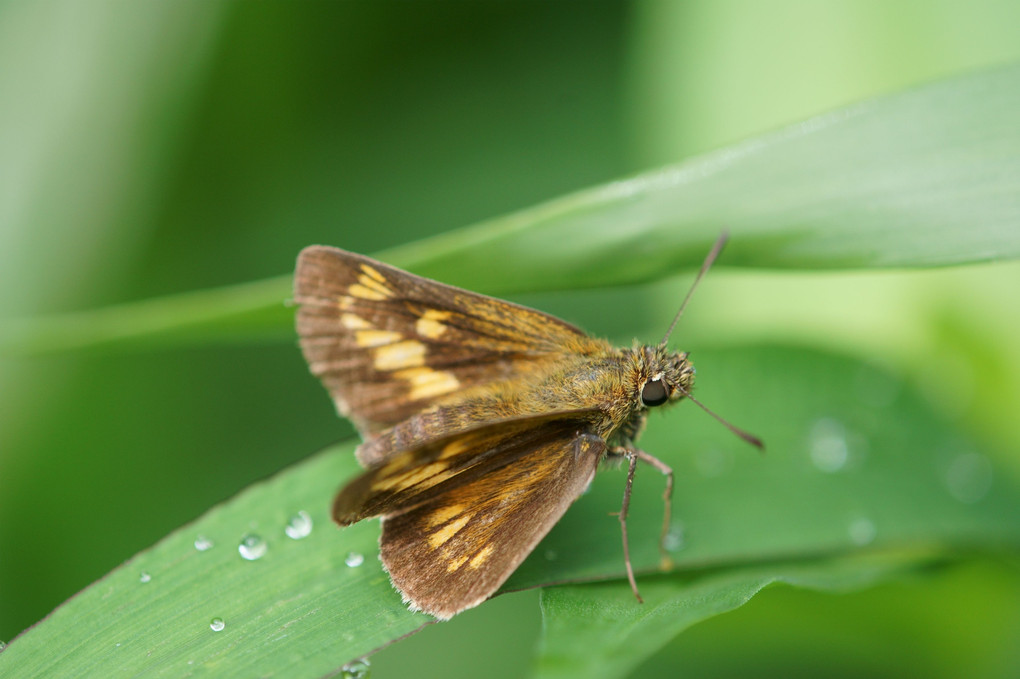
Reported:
(482, 420)
(604, 383)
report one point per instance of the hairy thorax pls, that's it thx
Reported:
(606, 385)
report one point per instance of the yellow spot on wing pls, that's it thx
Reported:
(354, 321)
(445, 514)
(367, 293)
(426, 382)
(406, 354)
(371, 285)
(452, 449)
(456, 563)
(375, 338)
(373, 273)
(479, 558)
(425, 476)
(440, 537)
(430, 324)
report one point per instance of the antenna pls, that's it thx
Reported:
(712, 255)
(709, 260)
(750, 438)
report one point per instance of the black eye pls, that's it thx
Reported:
(654, 393)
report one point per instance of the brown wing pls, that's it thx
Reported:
(455, 550)
(420, 474)
(388, 344)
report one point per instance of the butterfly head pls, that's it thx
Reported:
(670, 376)
(665, 376)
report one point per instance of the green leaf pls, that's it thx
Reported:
(854, 459)
(306, 606)
(855, 463)
(861, 481)
(599, 632)
(929, 177)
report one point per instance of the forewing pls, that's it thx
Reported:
(388, 344)
(454, 551)
(421, 474)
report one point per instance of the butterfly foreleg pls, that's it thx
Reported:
(666, 562)
(631, 467)
(632, 456)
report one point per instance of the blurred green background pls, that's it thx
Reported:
(157, 148)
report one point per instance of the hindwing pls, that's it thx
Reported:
(460, 514)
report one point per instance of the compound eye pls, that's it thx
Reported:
(654, 393)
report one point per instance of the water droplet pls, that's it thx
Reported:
(203, 544)
(674, 540)
(358, 669)
(828, 446)
(862, 531)
(299, 526)
(3, 645)
(252, 547)
(217, 625)
(969, 477)
(354, 559)
(144, 577)
(348, 636)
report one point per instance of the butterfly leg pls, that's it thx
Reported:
(666, 562)
(631, 467)
(633, 455)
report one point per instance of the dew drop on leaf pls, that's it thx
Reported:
(358, 669)
(969, 477)
(674, 540)
(827, 445)
(862, 531)
(299, 526)
(252, 547)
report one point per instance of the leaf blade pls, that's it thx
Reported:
(928, 177)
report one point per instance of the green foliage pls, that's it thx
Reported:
(860, 482)
(887, 398)
(856, 463)
(885, 195)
